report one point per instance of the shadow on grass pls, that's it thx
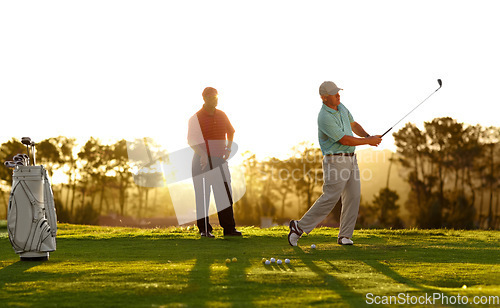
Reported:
(18, 272)
(352, 298)
(212, 282)
(388, 272)
(201, 285)
(233, 287)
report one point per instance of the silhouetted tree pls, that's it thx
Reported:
(282, 182)
(412, 149)
(247, 211)
(94, 159)
(491, 137)
(387, 209)
(120, 166)
(307, 173)
(8, 150)
(49, 155)
(445, 169)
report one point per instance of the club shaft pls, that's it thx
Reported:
(205, 206)
(33, 153)
(411, 111)
(386, 132)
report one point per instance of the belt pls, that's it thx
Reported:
(340, 154)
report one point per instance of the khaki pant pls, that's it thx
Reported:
(341, 179)
(217, 181)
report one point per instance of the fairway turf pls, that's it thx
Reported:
(124, 267)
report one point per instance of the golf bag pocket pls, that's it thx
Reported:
(50, 207)
(28, 227)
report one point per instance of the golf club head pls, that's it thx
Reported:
(26, 160)
(10, 164)
(22, 158)
(26, 140)
(440, 83)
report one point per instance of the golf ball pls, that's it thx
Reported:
(267, 262)
(234, 259)
(313, 246)
(264, 260)
(287, 261)
(228, 261)
(273, 260)
(278, 262)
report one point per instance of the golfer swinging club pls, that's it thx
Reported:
(340, 167)
(210, 169)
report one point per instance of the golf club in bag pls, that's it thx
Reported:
(31, 217)
(440, 85)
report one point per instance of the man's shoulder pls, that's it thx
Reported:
(323, 111)
(327, 118)
(326, 112)
(220, 114)
(199, 112)
(193, 119)
(343, 108)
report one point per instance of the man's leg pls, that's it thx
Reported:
(224, 202)
(351, 196)
(202, 196)
(223, 195)
(202, 193)
(334, 176)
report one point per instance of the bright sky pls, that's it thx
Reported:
(124, 69)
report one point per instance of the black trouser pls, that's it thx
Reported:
(218, 180)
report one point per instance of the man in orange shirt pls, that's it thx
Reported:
(210, 135)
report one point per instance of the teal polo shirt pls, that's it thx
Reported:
(332, 126)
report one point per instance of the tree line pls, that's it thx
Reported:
(98, 180)
(452, 170)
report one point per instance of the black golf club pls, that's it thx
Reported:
(27, 142)
(440, 85)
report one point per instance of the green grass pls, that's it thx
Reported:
(124, 267)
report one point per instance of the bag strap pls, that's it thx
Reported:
(28, 192)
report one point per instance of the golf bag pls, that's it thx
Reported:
(31, 218)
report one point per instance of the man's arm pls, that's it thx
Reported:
(366, 138)
(199, 149)
(196, 141)
(358, 130)
(230, 140)
(354, 141)
(230, 137)
(202, 152)
(334, 131)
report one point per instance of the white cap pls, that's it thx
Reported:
(328, 88)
